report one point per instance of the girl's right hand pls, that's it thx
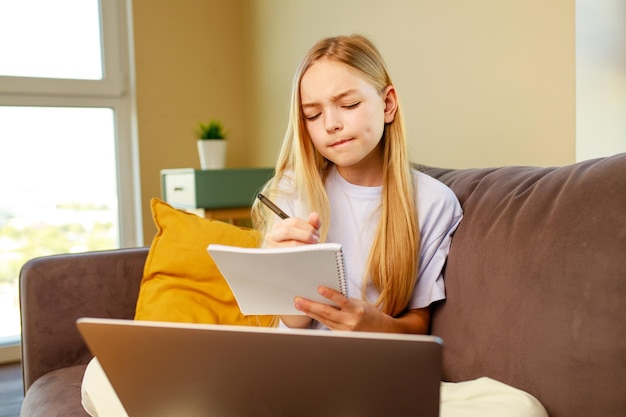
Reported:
(294, 231)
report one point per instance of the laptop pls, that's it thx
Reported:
(179, 369)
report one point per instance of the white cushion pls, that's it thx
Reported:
(485, 397)
(97, 395)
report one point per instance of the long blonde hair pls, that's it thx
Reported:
(394, 255)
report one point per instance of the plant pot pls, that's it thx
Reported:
(212, 153)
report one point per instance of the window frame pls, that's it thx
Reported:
(115, 90)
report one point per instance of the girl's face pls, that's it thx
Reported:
(345, 116)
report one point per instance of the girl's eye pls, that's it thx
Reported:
(313, 117)
(352, 106)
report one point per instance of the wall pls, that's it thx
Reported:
(188, 68)
(485, 82)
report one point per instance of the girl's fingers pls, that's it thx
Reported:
(315, 221)
(334, 296)
(293, 231)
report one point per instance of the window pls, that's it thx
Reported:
(67, 159)
(71, 45)
(600, 78)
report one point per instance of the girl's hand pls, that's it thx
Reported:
(358, 315)
(294, 231)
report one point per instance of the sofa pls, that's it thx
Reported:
(535, 282)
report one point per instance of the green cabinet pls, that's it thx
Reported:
(189, 188)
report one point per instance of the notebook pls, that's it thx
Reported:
(265, 281)
(192, 370)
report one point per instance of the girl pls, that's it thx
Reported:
(344, 168)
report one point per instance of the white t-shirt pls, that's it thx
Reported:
(354, 214)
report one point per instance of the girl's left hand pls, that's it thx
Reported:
(348, 314)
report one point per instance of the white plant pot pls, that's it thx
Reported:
(212, 153)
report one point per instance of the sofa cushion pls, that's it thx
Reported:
(56, 394)
(536, 282)
(181, 283)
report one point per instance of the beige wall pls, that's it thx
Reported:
(483, 83)
(188, 68)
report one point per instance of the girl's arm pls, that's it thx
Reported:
(359, 315)
(297, 322)
(413, 321)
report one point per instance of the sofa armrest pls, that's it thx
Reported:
(57, 290)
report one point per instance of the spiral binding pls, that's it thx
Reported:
(341, 271)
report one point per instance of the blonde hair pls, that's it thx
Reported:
(394, 256)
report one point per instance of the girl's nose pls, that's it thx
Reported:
(332, 122)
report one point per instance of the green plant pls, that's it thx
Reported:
(211, 131)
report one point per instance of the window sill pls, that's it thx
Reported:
(10, 349)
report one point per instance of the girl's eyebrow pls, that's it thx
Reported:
(332, 98)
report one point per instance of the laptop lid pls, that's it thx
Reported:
(179, 369)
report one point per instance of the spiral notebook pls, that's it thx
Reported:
(265, 281)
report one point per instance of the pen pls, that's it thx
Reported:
(272, 206)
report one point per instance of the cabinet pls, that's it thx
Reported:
(224, 194)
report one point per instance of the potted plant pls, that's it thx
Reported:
(211, 141)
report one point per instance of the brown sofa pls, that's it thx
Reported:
(536, 285)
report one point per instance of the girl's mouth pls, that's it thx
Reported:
(340, 142)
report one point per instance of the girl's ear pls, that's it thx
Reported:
(391, 103)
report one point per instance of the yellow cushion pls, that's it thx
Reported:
(181, 282)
